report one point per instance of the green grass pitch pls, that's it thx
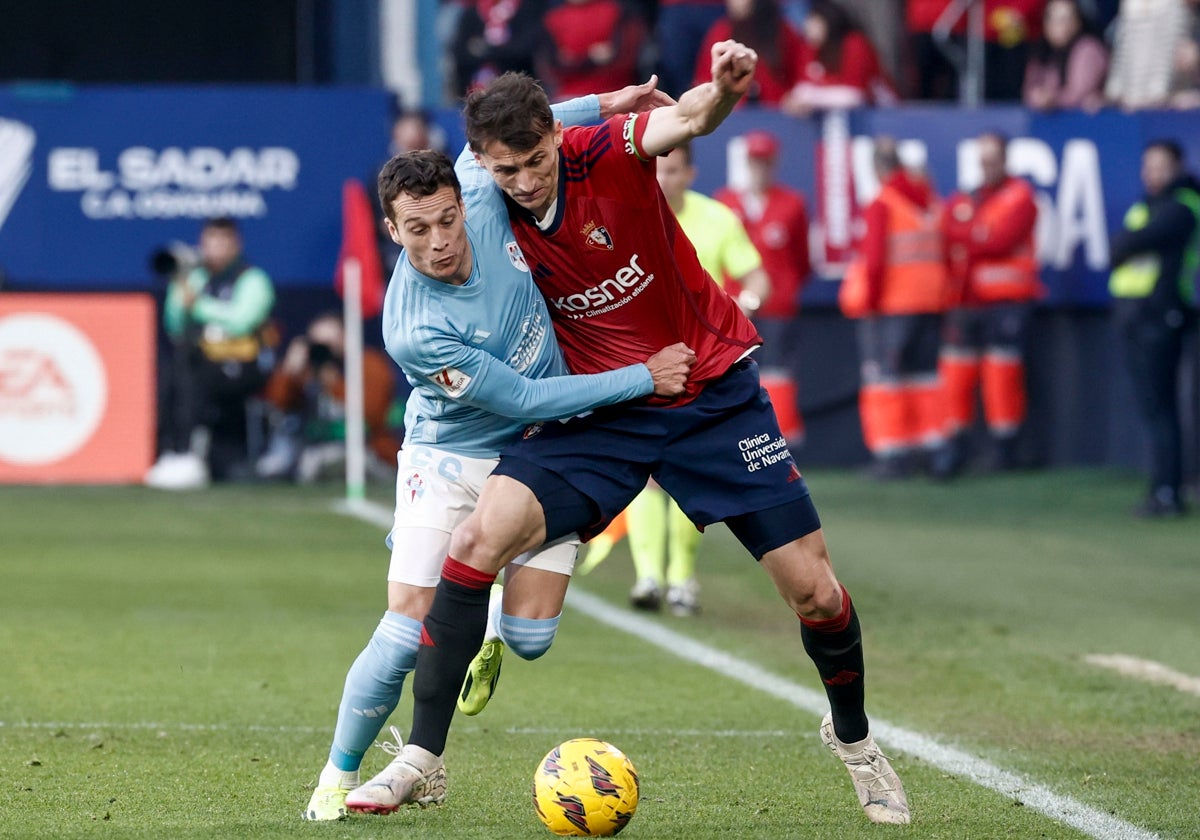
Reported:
(170, 666)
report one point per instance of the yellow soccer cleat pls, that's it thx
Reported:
(482, 676)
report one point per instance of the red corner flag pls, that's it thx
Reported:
(358, 242)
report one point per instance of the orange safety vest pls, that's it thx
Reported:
(915, 280)
(1013, 277)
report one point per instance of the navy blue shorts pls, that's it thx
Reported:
(721, 457)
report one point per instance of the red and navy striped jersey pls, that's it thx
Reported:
(621, 278)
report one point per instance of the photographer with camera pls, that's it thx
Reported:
(307, 396)
(217, 317)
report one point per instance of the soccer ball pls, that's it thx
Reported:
(585, 787)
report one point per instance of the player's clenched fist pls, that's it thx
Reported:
(669, 369)
(733, 66)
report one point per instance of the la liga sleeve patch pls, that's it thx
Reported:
(453, 381)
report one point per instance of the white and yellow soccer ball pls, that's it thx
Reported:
(585, 787)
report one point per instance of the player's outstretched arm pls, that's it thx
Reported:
(471, 376)
(501, 390)
(703, 108)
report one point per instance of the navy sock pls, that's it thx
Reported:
(453, 632)
(835, 647)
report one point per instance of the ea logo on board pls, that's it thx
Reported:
(53, 389)
(16, 162)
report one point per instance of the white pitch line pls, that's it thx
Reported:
(1091, 821)
(1147, 670)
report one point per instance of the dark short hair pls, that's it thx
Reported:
(1172, 147)
(512, 109)
(418, 173)
(223, 223)
(886, 155)
(402, 113)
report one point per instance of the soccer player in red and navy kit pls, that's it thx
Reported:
(620, 276)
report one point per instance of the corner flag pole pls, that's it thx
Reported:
(355, 437)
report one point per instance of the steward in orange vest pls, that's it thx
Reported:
(990, 249)
(897, 286)
(900, 268)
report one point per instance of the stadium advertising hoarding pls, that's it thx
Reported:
(93, 180)
(76, 387)
(1083, 167)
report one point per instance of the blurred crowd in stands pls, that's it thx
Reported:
(819, 54)
(929, 351)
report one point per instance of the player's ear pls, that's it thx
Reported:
(391, 229)
(558, 133)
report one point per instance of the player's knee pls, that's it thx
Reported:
(409, 600)
(803, 600)
(487, 544)
(468, 542)
(824, 598)
(804, 577)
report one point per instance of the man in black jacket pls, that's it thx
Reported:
(1154, 260)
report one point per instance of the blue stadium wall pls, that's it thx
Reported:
(93, 179)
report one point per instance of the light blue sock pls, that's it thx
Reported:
(528, 638)
(373, 687)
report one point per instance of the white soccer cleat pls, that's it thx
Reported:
(646, 595)
(178, 471)
(415, 777)
(876, 783)
(328, 803)
(683, 599)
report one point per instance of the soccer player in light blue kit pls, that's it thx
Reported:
(464, 320)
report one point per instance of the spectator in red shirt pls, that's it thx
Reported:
(591, 45)
(839, 67)
(760, 25)
(776, 218)
(1069, 63)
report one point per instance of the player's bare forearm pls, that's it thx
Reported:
(702, 108)
(706, 107)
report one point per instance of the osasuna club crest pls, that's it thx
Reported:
(597, 237)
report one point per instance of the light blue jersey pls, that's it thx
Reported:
(482, 357)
